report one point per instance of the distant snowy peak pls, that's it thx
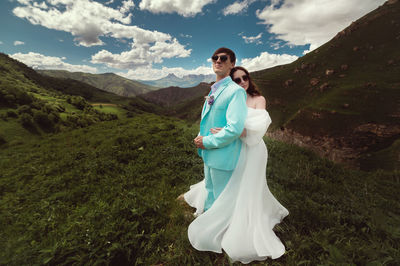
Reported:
(184, 82)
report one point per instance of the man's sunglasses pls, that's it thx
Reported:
(222, 57)
(238, 80)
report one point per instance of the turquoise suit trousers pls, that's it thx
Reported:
(222, 150)
(215, 181)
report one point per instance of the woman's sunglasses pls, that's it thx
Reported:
(239, 79)
(222, 57)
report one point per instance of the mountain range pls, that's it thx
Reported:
(107, 82)
(173, 96)
(185, 82)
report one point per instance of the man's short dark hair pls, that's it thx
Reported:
(227, 51)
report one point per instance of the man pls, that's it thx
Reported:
(226, 108)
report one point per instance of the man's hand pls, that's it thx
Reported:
(198, 141)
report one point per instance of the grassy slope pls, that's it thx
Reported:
(20, 75)
(52, 91)
(100, 195)
(108, 82)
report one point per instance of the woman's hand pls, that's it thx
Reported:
(218, 129)
(215, 130)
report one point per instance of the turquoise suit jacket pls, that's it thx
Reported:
(229, 112)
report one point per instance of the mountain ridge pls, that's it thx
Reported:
(187, 81)
(109, 82)
(175, 95)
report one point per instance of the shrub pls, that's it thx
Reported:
(2, 97)
(54, 117)
(24, 109)
(42, 119)
(59, 108)
(83, 122)
(26, 120)
(11, 113)
(47, 108)
(2, 140)
(36, 105)
(3, 117)
(78, 102)
(23, 97)
(9, 99)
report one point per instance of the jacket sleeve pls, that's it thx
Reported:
(236, 114)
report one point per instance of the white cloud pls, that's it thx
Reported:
(39, 61)
(24, 2)
(185, 35)
(1, 42)
(127, 5)
(253, 39)
(266, 60)
(41, 5)
(84, 19)
(184, 8)
(277, 45)
(314, 22)
(88, 21)
(18, 43)
(141, 55)
(237, 7)
(149, 73)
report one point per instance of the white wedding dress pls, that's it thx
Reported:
(241, 220)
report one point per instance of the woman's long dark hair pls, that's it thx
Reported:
(253, 89)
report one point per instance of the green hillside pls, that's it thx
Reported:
(345, 93)
(108, 82)
(365, 82)
(106, 194)
(173, 96)
(32, 104)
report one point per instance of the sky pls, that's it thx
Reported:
(149, 39)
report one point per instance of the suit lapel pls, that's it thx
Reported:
(206, 107)
(216, 94)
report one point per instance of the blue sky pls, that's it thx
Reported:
(148, 39)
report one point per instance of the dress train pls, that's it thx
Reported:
(242, 219)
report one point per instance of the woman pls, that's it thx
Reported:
(242, 218)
